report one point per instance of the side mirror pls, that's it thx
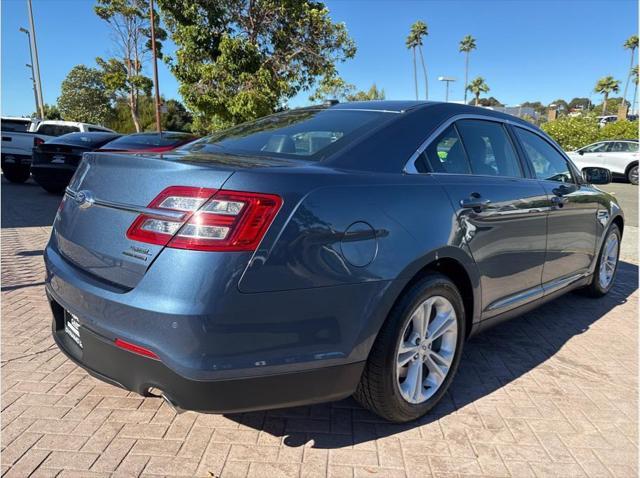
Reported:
(581, 152)
(596, 175)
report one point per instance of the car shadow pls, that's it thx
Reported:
(27, 205)
(490, 361)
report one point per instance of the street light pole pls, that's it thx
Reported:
(33, 75)
(34, 61)
(155, 68)
(447, 80)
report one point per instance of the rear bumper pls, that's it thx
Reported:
(103, 360)
(10, 160)
(58, 174)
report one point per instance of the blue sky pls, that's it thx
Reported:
(527, 50)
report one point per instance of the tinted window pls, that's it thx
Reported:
(148, 140)
(96, 129)
(90, 140)
(307, 133)
(56, 129)
(623, 147)
(595, 148)
(547, 162)
(489, 148)
(17, 126)
(446, 154)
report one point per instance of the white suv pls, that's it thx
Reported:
(618, 156)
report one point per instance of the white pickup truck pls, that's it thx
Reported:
(20, 135)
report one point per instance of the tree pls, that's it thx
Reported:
(51, 112)
(123, 74)
(634, 75)
(537, 106)
(467, 44)
(561, 105)
(605, 86)
(632, 45)
(83, 96)
(612, 106)
(491, 101)
(332, 88)
(177, 118)
(413, 42)
(583, 104)
(476, 87)
(372, 94)
(241, 60)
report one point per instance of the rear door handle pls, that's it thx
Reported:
(475, 201)
(559, 200)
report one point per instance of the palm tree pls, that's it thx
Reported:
(604, 86)
(476, 87)
(630, 44)
(467, 44)
(634, 76)
(413, 42)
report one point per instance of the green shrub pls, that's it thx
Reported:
(573, 133)
(619, 130)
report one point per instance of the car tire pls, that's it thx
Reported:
(16, 174)
(598, 286)
(632, 175)
(382, 389)
(51, 187)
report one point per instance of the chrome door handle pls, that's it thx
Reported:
(474, 201)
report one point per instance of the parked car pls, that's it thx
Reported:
(55, 160)
(321, 252)
(619, 156)
(149, 142)
(17, 143)
(603, 120)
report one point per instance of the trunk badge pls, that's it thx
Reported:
(84, 199)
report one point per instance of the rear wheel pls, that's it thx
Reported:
(607, 266)
(416, 353)
(16, 174)
(632, 175)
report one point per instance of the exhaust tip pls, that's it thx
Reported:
(156, 392)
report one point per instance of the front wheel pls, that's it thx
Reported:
(607, 266)
(416, 353)
(632, 175)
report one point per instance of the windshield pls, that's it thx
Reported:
(309, 134)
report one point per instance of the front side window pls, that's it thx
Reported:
(547, 162)
(595, 148)
(489, 148)
(446, 154)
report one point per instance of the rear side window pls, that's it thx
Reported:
(623, 147)
(309, 134)
(15, 126)
(57, 129)
(446, 154)
(547, 162)
(489, 148)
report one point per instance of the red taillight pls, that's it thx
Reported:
(37, 141)
(212, 220)
(136, 349)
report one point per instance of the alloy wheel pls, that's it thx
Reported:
(427, 349)
(608, 261)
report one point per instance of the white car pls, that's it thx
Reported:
(21, 135)
(618, 156)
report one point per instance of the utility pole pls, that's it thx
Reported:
(155, 68)
(34, 61)
(33, 75)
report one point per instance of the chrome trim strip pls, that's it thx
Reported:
(516, 298)
(558, 284)
(159, 213)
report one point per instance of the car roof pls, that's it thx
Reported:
(395, 106)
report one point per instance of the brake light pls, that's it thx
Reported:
(37, 141)
(211, 221)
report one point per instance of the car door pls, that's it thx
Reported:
(619, 155)
(500, 214)
(572, 217)
(591, 156)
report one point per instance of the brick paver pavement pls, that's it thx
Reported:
(553, 393)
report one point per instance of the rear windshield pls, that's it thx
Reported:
(148, 140)
(309, 134)
(90, 140)
(56, 129)
(16, 126)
